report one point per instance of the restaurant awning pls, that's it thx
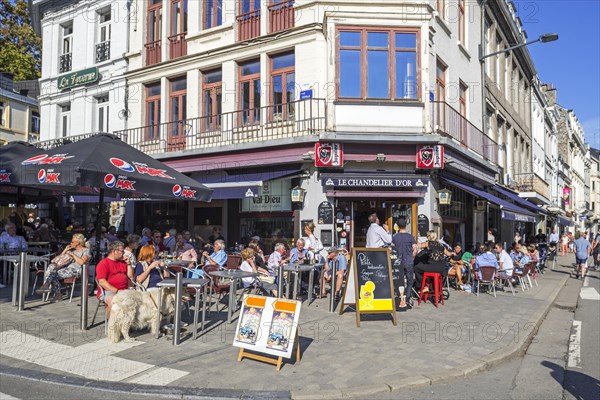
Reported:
(519, 200)
(564, 221)
(510, 211)
(244, 184)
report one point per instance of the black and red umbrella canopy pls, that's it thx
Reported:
(104, 162)
(11, 152)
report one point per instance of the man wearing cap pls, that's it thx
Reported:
(334, 260)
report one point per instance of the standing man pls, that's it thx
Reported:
(596, 251)
(554, 238)
(406, 249)
(378, 236)
(583, 249)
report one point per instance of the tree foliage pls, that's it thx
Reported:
(20, 47)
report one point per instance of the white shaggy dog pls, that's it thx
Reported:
(132, 309)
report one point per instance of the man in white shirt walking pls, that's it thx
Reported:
(378, 236)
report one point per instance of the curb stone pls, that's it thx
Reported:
(153, 391)
(365, 391)
(473, 368)
(320, 395)
(404, 383)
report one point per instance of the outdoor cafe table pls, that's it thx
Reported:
(186, 283)
(297, 270)
(233, 275)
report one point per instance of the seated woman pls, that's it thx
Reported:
(524, 260)
(129, 254)
(148, 272)
(435, 262)
(78, 253)
(259, 258)
(248, 265)
(534, 255)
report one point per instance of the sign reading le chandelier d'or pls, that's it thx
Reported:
(78, 78)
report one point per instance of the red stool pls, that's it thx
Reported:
(437, 287)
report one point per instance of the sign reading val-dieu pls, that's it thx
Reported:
(370, 277)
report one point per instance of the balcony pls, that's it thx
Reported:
(177, 46)
(153, 52)
(281, 16)
(529, 184)
(449, 122)
(103, 51)
(248, 25)
(265, 124)
(65, 63)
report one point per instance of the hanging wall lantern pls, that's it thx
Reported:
(298, 194)
(445, 197)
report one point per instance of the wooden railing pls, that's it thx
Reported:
(281, 16)
(264, 124)
(248, 25)
(530, 182)
(153, 52)
(448, 121)
(177, 45)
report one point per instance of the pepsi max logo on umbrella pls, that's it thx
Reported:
(145, 169)
(5, 177)
(45, 159)
(122, 165)
(120, 183)
(48, 176)
(184, 192)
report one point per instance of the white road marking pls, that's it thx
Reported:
(92, 360)
(574, 359)
(4, 396)
(589, 293)
(586, 281)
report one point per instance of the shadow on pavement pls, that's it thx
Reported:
(579, 385)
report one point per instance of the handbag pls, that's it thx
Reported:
(62, 260)
(266, 279)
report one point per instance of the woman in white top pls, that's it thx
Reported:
(564, 244)
(311, 243)
(248, 265)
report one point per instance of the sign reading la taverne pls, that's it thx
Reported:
(78, 78)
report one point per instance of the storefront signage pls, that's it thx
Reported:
(510, 216)
(567, 196)
(328, 155)
(78, 78)
(274, 197)
(370, 181)
(430, 156)
(325, 213)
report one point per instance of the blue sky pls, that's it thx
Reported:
(572, 63)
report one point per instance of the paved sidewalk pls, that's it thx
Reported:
(466, 335)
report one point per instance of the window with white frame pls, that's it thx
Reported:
(2, 122)
(66, 47)
(102, 113)
(35, 123)
(103, 35)
(65, 120)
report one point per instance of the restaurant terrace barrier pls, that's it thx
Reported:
(448, 121)
(282, 121)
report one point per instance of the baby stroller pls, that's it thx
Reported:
(543, 256)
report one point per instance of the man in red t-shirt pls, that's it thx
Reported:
(111, 274)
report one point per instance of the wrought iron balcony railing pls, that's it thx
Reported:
(530, 182)
(449, 122)
(65, 63)
(264, 124)
(103, 51)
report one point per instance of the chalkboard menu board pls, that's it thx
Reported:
(325, 213)
(371, 275)
(423, 224)
(397, 272)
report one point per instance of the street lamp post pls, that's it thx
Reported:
(544, 38)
